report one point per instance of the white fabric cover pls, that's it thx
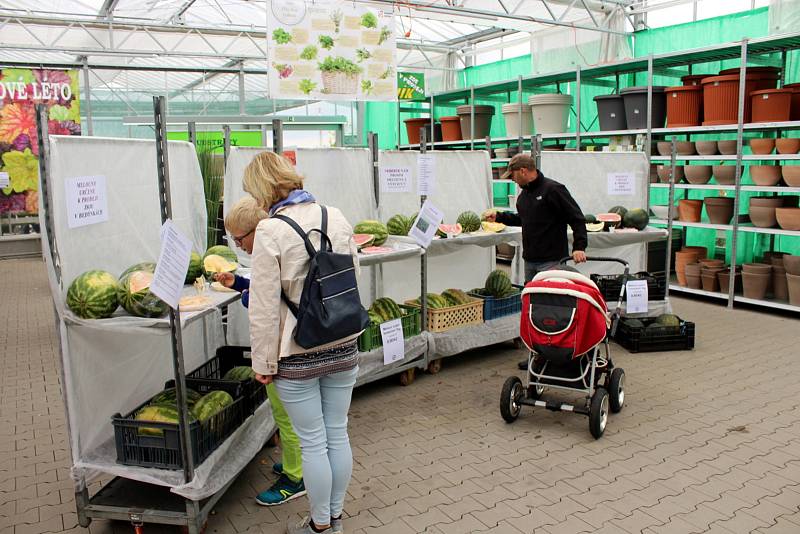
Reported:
(371, 366)
(458, 340)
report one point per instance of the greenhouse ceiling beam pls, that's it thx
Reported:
(141, 68)
(178, 15)
(107, 9)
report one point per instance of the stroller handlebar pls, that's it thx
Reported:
(595, 258)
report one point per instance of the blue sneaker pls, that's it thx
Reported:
(282, 490)
(277, 468)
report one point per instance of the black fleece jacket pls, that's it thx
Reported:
(544, 209)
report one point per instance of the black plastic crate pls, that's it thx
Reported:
(494, 307)
(208, 377)
(611, 284)
(164, 451)
(662, 338)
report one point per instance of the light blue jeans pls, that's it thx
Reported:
(318, 409)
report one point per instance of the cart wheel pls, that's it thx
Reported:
(518, 343)
(598, 413)
(616, 390)
(435, 366)
(408, 376)
(512, 392)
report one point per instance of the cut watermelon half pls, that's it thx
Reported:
(363, 240)
(449, 230)
(376, 250)
(611, 220)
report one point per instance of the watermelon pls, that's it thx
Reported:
(376, 250)
(241, 372)
(433, 301)
(363, 240)
(135, 296)
(636, 218)
(456, 297)
(195, 268)
(667, 319)
(634, 323)
(399, 225)
(376, 228)
(374, 318)
(217, 264)
(146, 266)
(492, 227)
(93, 295)
(595, 227)
(158, 413)
(170, 397)
(589, 218)
(619, 210)
(222, 250)
(611, 220)
(211, 404)
(386, 309)
(449, 229)
(498, 283)
(469, 221)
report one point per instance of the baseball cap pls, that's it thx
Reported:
(519, 161)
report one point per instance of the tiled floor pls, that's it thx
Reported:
(709, 440)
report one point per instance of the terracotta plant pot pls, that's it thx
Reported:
(664, 172)
(788, 145)
(770, 202)
(791, 175)
(795, 87)
(791, 264)
(702, 252)
(757, 268)
(793, 283)
(763, 216)
(762, 146)
(765, 77)
(771, 105)
(694, 281)
(694, 79)
(721, 98)
(755, 285)
(710, 263)
(684, 104)
(693, 269)
(780, 287)
(765, 175)
(727, 147)
(689, 210)
(709, 280)
(697, 174)
(707, 148)
(682, 148)
(719, 209)
(664, 148)
(724, 281)
(682, 258)
(724, 174)
(413, 127)
(451, 128)
(788, 218)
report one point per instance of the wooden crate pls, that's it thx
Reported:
(442, 319)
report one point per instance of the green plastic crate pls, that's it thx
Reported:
(370, 339)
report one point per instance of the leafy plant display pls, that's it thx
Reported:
(385, 74)
(369, 20)
(23, 171)
(339, 64)
(367, 87)
(281, 36)
(306, 86)
(284, 70)
(336, 17)
(385, 34)
(212, 188)
(326, 41)
(309, 52)
(363, 54)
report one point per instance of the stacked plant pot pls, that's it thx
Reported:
(791, 265)
(708, 273)
(684, 257)
(723, 277)
(764, 211)
(756, 280)
(780, 287)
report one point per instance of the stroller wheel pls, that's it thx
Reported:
(616, 390)
(598, 413)
(509, 399)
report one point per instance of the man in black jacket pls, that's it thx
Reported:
(544, 209)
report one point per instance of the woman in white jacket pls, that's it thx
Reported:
(314, 384)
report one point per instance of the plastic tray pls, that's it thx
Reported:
(494, 308)
(443, 319)
(370, 338)
(664, 338)
(208, 377)
(611, 284)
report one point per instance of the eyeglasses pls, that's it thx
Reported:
(238, 240)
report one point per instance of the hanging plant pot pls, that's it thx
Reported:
(684, 105)
(771, 105)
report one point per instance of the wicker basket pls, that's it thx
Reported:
(340, 83)
(442, 319)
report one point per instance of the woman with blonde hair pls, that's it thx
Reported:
(314, 384)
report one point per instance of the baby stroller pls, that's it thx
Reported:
(564, 322)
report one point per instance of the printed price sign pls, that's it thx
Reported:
(4, 180)
(426, 174)
(394, 348)
(87, 202)
(426, 224)
(395, 180)
(621, 184)
(636, 293)
(173, 263)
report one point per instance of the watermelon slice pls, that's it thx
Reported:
(446, 230)
(376, 250)
(363, 240)
(611, 220)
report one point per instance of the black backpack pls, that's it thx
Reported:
(330, 307)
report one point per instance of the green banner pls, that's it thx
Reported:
(215, 139)
(410, 86)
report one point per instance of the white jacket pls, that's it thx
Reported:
(280, 260)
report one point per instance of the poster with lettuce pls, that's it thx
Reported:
(20, 91)
(330, 50)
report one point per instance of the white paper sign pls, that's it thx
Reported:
(636, 293)
(395, 180)
(621, 184)
(172, 266)
(4, 180)
(426, 174)
(426, 224)
(394, 347)
(87, 202)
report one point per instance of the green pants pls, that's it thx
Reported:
(290, 444)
